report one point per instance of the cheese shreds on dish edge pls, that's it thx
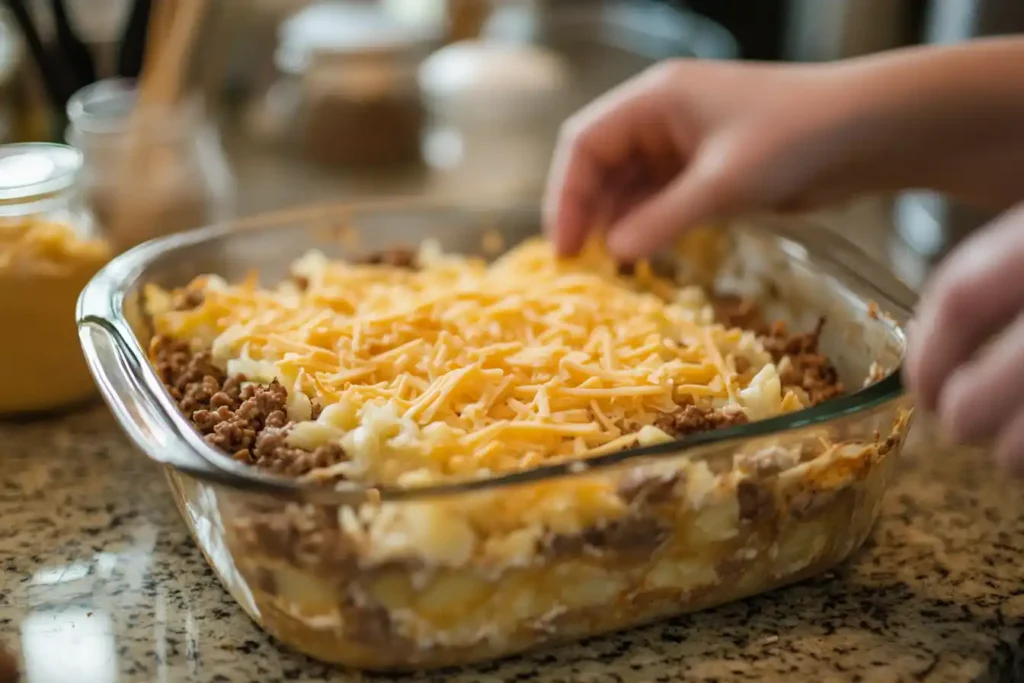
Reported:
(462, 369)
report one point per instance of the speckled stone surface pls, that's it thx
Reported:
(100, 583)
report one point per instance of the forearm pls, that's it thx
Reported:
(949, 119)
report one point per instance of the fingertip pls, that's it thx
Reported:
(1009, 454)
(907, 374)
(1009, 446)
(1010, 464)
(567, 212)
(572, 223)
(628, 242)
(554, 197)
(551, 223)
(953, 407)
(973, 295)
(560, 221)
(619, 245)
(647, 227)
(912, 380)
(921, 373)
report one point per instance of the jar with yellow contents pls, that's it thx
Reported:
(48, 252)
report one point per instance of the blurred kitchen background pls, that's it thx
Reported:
(301, 101)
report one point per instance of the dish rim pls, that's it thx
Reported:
(100, 309)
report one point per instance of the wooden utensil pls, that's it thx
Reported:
(173, 29)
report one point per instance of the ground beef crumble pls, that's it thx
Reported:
(806, 367)
(756, 499)
(800, 362)
(247, 421)
(639, 534)
(734, 311)
(397, 257)
(659, 267)
(692, 420)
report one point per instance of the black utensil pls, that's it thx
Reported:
(76, 55)
(133, 42)
(57, 84)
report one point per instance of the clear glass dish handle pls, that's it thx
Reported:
(137, 411)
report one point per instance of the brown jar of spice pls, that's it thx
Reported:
(348, 95)
(361, 109)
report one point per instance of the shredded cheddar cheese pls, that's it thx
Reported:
(464, 369)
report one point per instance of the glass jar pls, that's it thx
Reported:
(494, 111)
(151, 173)
(48, 252)
(347, 95)
(361, 109)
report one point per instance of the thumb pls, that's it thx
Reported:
(707, 188)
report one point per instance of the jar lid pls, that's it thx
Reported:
(340, 27)
(487, 79)
(31, 171)
(103, 106)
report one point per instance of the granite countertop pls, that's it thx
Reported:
(102, 583)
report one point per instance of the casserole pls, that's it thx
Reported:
(748, 509)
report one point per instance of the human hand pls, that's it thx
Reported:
(689, 141)
(966, 356)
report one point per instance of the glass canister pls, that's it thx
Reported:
(149, 173)
(347, 96)
(48, 252)
(361, 109)
(494, 111)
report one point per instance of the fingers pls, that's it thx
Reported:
(967, 349)
(593, 145)
(569, 211)
(1009, 450)
(738, 168)
(983, 395)
(977, 292)
(702, 191)
(643, 180)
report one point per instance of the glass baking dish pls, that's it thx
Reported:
(408, 579)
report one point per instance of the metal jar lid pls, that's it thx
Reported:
(345, 28)
(34, 171)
